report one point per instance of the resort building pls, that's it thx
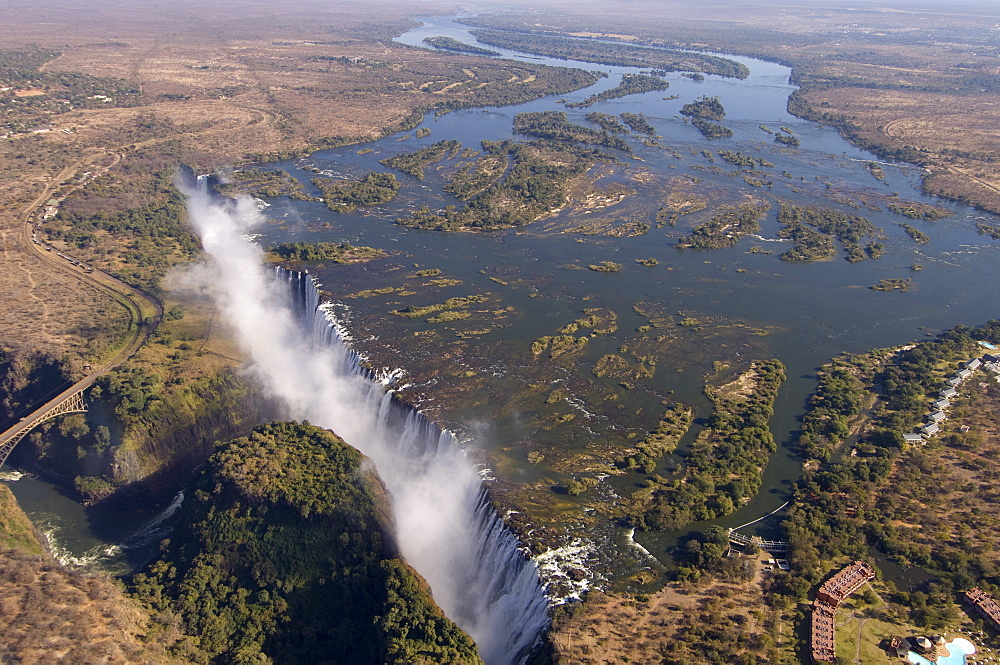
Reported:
(973, 364)
(985, 605)
(941, 404)
(913, 438)
(824, 608)
(948, 393)
(846, 582)
(821, 635)
(937, 416)
(930, 429)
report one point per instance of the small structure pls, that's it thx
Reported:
(948, 393)
(953, 381)
(937, 416)
(964, 374)
(941, 404)
(984, 605)
(900, 646)
(930, 429)
(913, 438)
(973, 364)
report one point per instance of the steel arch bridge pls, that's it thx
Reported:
(61, 406)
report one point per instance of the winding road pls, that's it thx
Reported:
(144, 309)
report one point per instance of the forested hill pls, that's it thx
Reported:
(283, 556)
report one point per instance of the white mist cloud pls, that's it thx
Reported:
(477, 575)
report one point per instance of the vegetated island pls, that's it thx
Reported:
(261, 183)
(501, 197)
(638, 123)
(555, 125)
(787, 139)
(621, 55)
(413, 163)
(702, 111)
(916, 234)
(451, 44)
(284, 550)
(893, 284)
(814, 228)
(325, 251)
(724, 465)
(632, 84)
(728, 225)
(606, 121)
(347, 195)
(709, 108)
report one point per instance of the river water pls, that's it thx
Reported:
(486, 385)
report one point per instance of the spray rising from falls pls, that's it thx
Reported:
(446, 527)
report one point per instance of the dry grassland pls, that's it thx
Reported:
(49, 614)
(679, 624)
(944, 499)
(960, 139)
(221, 82)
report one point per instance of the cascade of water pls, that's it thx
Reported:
(445, 525)
(157, 528)
(493, 589)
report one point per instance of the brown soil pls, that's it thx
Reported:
(943, 497)
(617, 628)
(52, 614)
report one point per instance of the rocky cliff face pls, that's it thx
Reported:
(146, 457)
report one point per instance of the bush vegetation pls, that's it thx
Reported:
(533, 185)
(325, 251)
(346, 196)
(918, 236)
(283, 556)
(262, 183)
(711, 130)
(451, 44)
(607, 122)
(814, 228)
(623, 55)
(673, 424)
(413, 163)
(638, 123)
(724, 229)
(850, 503)
(722, 469)
(707, 108)
(555, 126)
(632, 84)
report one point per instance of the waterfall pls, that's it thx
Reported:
(445, 524)
(488, 585)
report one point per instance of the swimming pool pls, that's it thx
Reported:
(957, 649)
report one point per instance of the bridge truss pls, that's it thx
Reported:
(72, 404)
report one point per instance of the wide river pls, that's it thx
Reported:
(747, 304)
